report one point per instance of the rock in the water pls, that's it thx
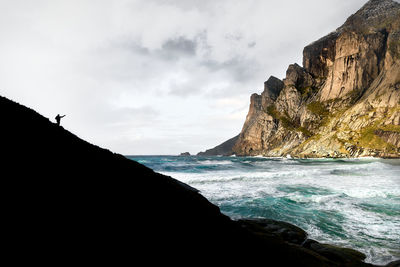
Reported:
(185, 154)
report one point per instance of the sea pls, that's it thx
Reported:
(351, 203)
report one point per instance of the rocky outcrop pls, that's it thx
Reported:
(294, 235)
(184, 154)
(224, 149)
(283, 230)
(343, 256)
(343, 102)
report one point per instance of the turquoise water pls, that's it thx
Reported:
(353, 203)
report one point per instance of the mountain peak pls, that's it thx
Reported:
(374, 14)
(379, 3)
(374, 8)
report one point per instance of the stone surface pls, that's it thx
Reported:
(272, 88)
(393, 264)
(343, 256)
(286, 231)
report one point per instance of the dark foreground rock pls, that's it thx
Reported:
(295, 235)
(68, 201)
(394, 264)
(337, 254)
(283, 230)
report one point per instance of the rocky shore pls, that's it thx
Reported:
(296, 236)
(68, 201)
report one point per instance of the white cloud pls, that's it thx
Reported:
(154, 77)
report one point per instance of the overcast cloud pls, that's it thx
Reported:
(152, 76)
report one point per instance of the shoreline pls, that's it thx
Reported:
(264, 157)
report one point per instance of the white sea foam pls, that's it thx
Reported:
(216, 162)
(350, 202)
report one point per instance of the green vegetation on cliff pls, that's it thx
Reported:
(318, 108)
(370, 139)
(286, 122)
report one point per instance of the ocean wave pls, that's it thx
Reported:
(215, 162)
(353, 202)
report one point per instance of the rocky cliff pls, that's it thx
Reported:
(343, 102)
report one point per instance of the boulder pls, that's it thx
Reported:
(286, 231)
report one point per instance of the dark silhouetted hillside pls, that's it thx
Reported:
(68, 201)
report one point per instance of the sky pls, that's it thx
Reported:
(153, 77)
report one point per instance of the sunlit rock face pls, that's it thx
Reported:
(343, 102)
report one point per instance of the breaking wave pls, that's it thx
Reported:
(347, 202)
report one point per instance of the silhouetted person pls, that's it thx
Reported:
(58, 119)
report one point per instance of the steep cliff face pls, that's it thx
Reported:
(343, 102)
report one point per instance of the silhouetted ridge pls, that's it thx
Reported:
(68, 201)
